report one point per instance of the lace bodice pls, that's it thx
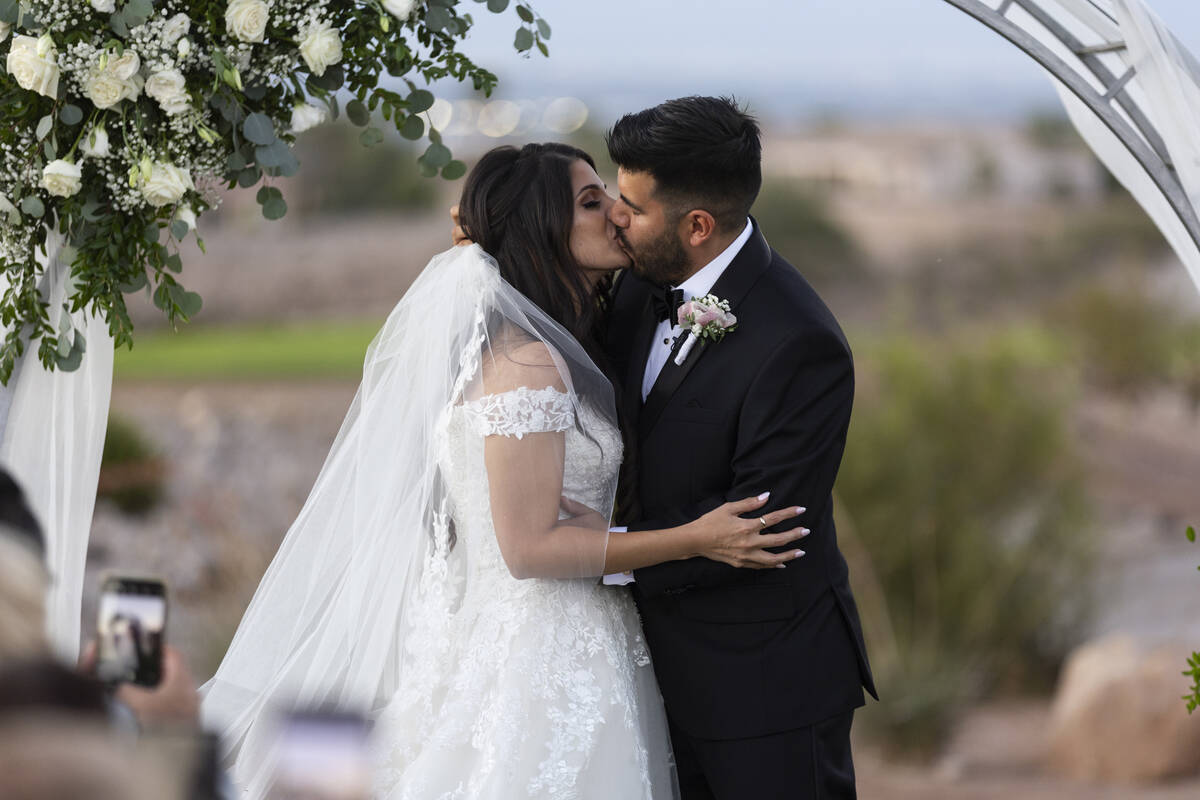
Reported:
(530, 688)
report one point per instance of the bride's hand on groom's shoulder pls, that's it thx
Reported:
(458, 235)
(724, 535)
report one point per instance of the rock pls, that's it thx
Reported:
(1118, 714)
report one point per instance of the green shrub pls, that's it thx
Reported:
(340, 176)
(798, 223)
(962, 488)
(132, 475)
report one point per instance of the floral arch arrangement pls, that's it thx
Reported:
(123, 122)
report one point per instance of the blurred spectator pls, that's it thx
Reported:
(43, 685)
(23, 576)
(51, 756)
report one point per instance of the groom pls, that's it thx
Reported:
(760, 670)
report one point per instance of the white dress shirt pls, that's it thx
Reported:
(698, 285)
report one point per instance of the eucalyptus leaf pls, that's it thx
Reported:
(437, 155)
(273, 155)
(413, 128)
(258, 128)
(179, 229)
(371, 137)
(420, 100)
(543, 28)
(32, 205)
(331, 81)
(135, 283)
(236, 162)
(248, 177)
(257, 92)
(524, 13)
(72, 361)
(275, 208)
(437, 18)
(454, 170)
(151, 232)
(265, 194)
(523, 40)
(65, 340)
(542, 47)
(174, 263)
(45, 124)
(118, 25)
(9, 11)
(71, 114)
(48, 149)
(357, 113)
(497, 6)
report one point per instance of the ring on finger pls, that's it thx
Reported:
(763, 523)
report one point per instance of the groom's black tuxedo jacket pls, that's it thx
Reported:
(739, 652)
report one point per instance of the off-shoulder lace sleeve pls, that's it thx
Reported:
(520, 411)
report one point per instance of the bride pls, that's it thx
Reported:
(443, 574)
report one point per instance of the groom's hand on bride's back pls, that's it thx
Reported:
(458, 235)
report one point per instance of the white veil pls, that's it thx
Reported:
(326, 625)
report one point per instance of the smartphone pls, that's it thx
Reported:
(322, 755)
(129, 640)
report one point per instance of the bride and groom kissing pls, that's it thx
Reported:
(527, 424)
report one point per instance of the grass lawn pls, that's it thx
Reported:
(332, 350)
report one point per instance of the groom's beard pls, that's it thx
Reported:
(662, 260)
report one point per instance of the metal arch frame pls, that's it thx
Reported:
(1141, 138)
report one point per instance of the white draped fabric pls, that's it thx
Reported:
(52, 443)
(1165, 86)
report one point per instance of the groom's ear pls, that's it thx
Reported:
(699, 227)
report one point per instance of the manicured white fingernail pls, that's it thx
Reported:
(781, 566)
(804, 531)
(764, 495)
(797, 554)
(800, 510)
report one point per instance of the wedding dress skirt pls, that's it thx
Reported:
(531, 688)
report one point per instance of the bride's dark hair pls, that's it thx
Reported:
(518, 206)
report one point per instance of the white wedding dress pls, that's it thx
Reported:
(391, 595)
(530, 688)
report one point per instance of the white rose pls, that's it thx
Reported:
(33, 64)
(400, 9)
(321, 47)
(176, 28)
(306, 115)
(246, 19)
(170, 90)
(125, 66)
(165, 184)
(103, 88)
(95, 144)
(104, 6)
(61, 178)
(183, 47)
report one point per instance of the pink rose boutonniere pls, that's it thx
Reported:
(705, 318)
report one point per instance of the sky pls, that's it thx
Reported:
(789, 58)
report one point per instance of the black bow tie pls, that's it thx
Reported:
(666, 302)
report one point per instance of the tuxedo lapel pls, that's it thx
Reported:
(636, 368)
(750, 262)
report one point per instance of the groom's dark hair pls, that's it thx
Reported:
(703, 152)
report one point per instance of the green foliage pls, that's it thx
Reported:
(962, 489)
(1127, 343)
(282, 352)
(132, 475)
(804, 231)
(1193, 671)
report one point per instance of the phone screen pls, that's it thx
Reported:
(133, 614)
(322, 755)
